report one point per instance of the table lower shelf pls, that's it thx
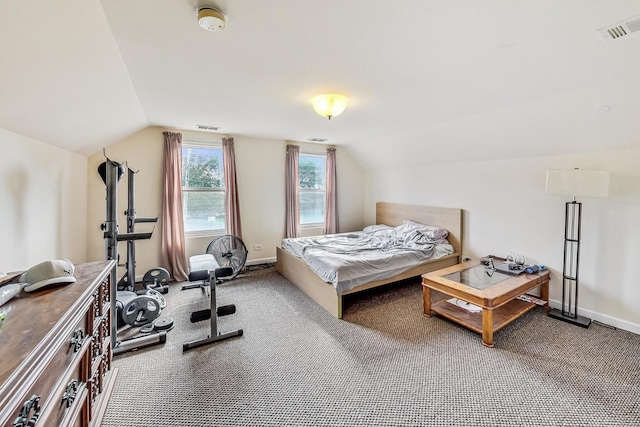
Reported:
(502, 315)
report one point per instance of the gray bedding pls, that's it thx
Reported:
(378, 252)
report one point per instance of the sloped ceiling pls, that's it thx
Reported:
(427, 80)
(62, 79)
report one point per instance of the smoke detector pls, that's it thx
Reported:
(620, 29)
(211, 18)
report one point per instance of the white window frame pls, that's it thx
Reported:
(213, 145)
(310, 190)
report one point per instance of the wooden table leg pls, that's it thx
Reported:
(544, 293)
(487, 327)
(426, 297)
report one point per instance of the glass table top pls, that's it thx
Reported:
(478, 277)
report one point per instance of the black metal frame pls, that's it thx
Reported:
(111, 239)
(213, 312)
(128, 281)
(571, 267)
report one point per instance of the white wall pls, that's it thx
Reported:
(54, 202)
(143, 153)
(506, 208)
(260, 171)
(43, 210)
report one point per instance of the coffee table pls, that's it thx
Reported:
(495, 295)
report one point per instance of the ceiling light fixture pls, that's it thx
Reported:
(211, 18)
(329, 104)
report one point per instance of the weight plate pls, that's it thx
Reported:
(163, 323)
(156, 276)
(140, 311)
(158, 297)
(147, 329)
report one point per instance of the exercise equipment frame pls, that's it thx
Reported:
(111, 238)
(213, 312)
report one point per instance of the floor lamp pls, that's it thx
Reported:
(574, 183)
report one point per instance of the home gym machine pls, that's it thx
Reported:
(156, 278)
(213, 312)
(129, 307)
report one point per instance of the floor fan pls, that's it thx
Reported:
(229, 251)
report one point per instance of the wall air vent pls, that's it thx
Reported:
(317, 140)
(205, 127)
(621, 29)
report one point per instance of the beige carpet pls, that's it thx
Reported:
(383, 365)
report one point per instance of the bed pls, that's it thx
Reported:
(327, 296)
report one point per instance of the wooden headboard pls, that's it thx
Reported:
(448, 218)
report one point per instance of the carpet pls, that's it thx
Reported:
(384, 364)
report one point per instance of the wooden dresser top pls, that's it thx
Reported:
(31, 317)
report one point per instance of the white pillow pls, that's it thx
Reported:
(376, 227)
(408, 227)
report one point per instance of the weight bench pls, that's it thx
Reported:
(199, 268)
(213, 312)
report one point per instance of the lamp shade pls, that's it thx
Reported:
(577, 183)
(329, 104)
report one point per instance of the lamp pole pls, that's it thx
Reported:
(576, 183)
(571, 267)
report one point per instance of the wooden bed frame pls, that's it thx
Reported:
(299, 273)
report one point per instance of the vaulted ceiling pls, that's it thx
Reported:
(427, 80)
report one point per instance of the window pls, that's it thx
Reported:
(202, 188)
(312, 184)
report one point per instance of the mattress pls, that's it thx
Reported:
(378, 252)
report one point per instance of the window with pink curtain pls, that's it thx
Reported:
(232, 201)
(172, 240)
(292, 210)
(331, 214)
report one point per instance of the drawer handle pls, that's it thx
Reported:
(70, 393)
(25, 419)
(77, 339)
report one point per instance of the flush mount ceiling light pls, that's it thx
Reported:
(329, 104)
(211, 18)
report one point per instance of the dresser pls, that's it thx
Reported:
(55, 352)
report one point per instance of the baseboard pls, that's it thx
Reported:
(603, 318)
(261, 261)
(258, 261)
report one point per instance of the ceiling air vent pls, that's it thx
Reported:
(205, 127)
(621, 29)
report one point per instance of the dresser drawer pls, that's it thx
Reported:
(69, 405)
(54, 397)
(74, 342)
(54, 365)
